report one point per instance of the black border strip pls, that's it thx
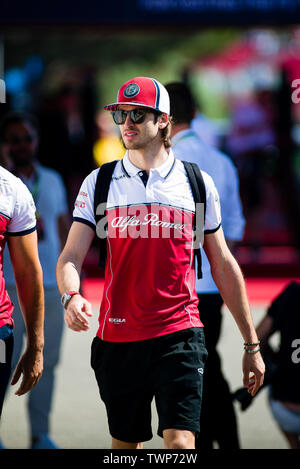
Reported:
(124, 170)
(21, 233)
(85, 222)
(212, 231)
(6, 216)
(171, 169)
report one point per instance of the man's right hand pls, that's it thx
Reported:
(31, 366)
(78, 307)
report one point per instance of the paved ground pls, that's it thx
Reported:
(79, 419)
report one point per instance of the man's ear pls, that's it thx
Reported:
(163, 120)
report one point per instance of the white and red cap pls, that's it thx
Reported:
(145, 92)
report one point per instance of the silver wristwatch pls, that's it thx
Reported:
(67, 296)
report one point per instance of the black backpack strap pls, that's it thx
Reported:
(100, 197)
(199, 193)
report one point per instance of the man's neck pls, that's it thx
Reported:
(148, 158)
(179, 127)
(25, 171)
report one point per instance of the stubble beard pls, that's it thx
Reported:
(132, 146)
(136, 145)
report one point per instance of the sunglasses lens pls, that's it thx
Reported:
(138, 115)
(119, 117)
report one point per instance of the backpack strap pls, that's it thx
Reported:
(100, 197)
(199, 193)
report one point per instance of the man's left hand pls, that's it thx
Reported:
(255, 364)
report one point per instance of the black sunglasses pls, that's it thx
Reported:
(17, 140)
(137, 116)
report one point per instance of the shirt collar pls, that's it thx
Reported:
(163, 170)
(35, 174)
(182, 134)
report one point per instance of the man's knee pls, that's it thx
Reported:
(118, 444)
(179, 439)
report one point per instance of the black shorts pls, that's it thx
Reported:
(169, 368)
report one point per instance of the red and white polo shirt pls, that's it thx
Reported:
(149, 274)
(17, 218)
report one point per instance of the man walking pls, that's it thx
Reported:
(19, 132)
(218, 420)
(18, 229)
(150, 340)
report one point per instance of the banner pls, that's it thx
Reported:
(129, 13)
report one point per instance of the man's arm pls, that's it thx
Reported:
(68, 275)
(29, 282)
(229, 280)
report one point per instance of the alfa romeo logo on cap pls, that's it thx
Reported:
(131, 90)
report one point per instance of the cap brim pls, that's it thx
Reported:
(114, 106)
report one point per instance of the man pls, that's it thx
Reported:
(20, 135)
(218, 421)
(18, 229)
(150, 338)
(282, 365)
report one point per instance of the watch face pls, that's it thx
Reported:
(65, 298)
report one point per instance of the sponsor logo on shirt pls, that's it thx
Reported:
(150, 219)
(117, 178)
(80, 203)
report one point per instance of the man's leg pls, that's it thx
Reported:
(293, 439)
(218, 420)
(41, 396)
(118, 444)
(122, 374)
(6, 349)
(178, 439)
(178, 375)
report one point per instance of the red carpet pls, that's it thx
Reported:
(264, 290)
(260, 290)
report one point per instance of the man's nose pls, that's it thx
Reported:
(128, 120)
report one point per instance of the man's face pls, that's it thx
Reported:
(21, 140)
(139, 136)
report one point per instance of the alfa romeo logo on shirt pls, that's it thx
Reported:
(131, 90)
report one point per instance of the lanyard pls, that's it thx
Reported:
(33, 185)
(36, 186)
(188, 133)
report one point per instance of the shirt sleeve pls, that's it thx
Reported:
(23, 220)
(84, 205)
(213, 209)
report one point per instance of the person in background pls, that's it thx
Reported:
(206, 129)
(283, 364)
(218, 420)
(19, 133)
(18, 230)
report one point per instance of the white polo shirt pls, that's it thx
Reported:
(149, 274)
(17, 218)
(188, 146)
